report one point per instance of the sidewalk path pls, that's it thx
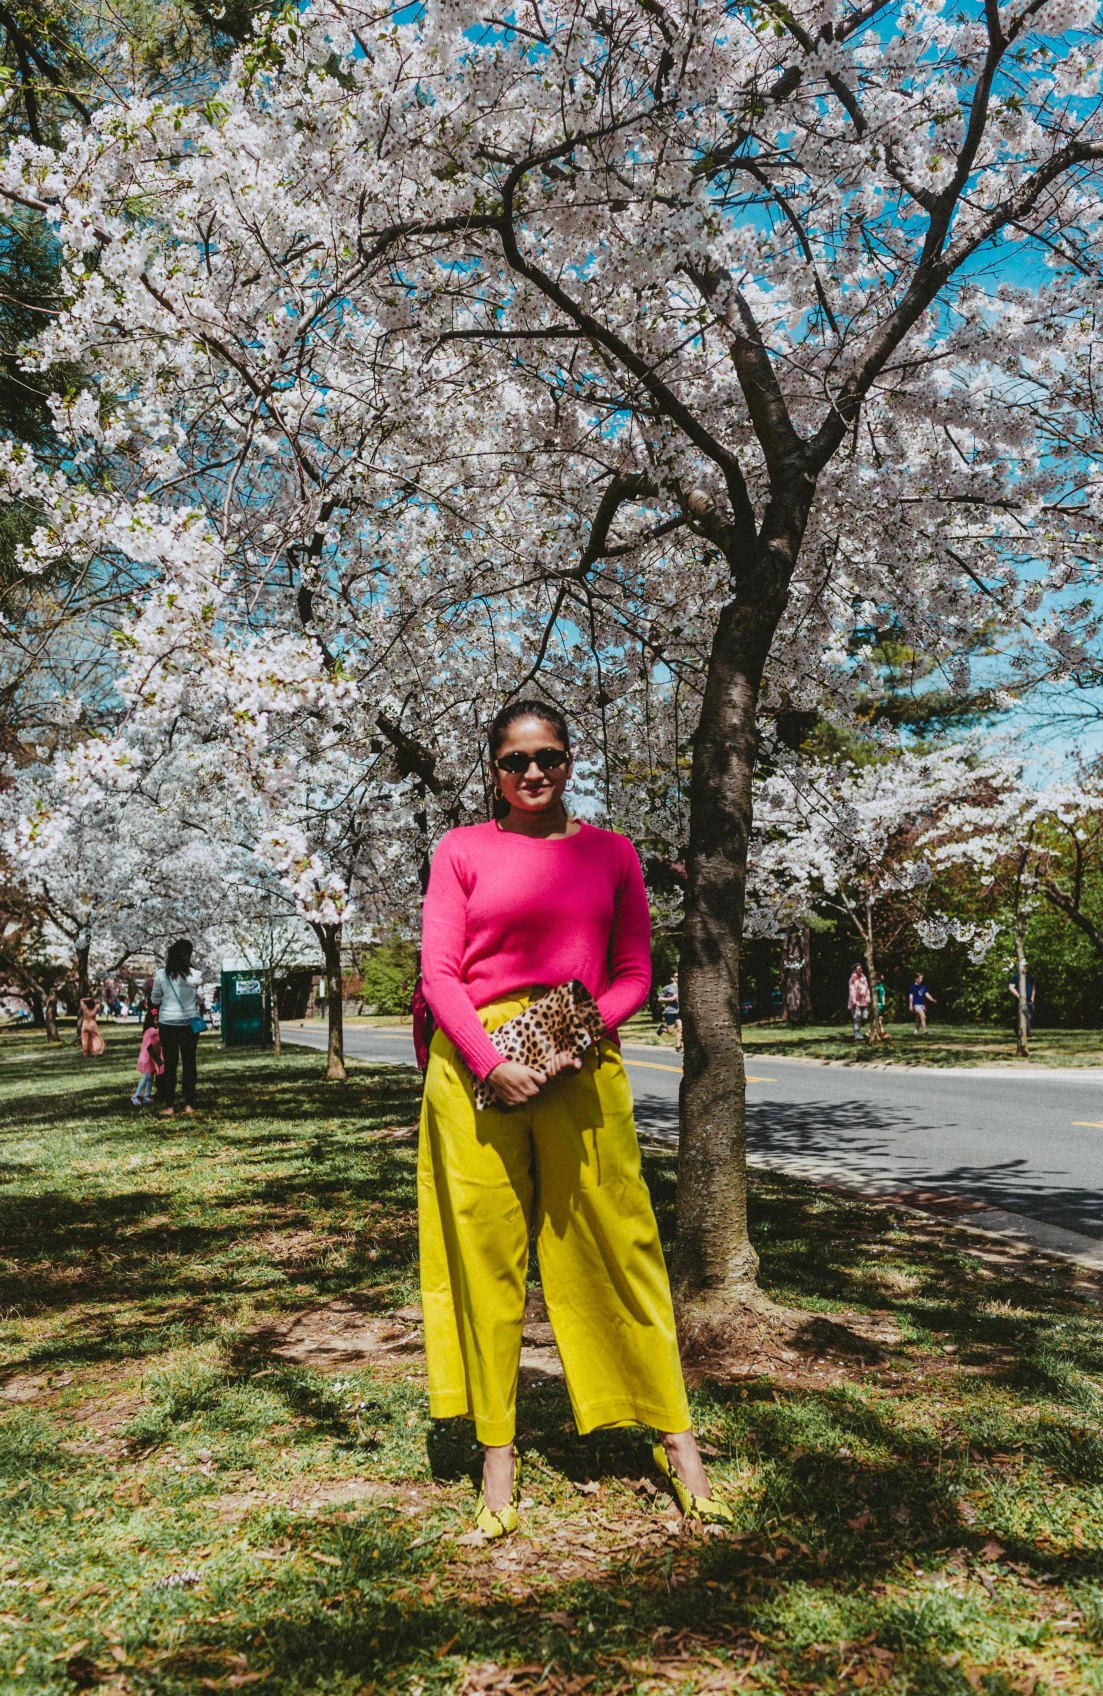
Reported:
(1019, 1153)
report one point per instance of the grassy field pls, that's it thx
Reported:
(943, 1045)
(217, 1473)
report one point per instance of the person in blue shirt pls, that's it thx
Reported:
(918, 997)
(1013, 989)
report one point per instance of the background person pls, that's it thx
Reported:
(151, 1062)
(670, 1001)
(918, 997)
(174, 994)
(878, 1005)
(88, 1030)
(857, 999)
(528, 901)
(1013, 990)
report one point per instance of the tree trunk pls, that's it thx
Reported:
(1071, 909)
(49, 1013)
(330, 938)
(83, 949)
(1022, 1011)
(876, 1024)
(38, 1010)
(274, 1014)
(714, 1265)
(796, 975)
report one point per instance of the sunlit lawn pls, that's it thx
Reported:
(217, 1471)
(943, 1045)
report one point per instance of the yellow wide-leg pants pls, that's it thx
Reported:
(566, 1167)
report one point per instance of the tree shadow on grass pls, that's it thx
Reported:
(565, 1614)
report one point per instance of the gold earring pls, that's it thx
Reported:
(498, 792)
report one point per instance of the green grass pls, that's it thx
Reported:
(943, 1045)
(216, 1470)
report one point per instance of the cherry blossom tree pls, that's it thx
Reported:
(1013, 837)
(646, 349)
(846, 842)
(107, 879)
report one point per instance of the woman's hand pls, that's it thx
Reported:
(565, 1062)
(513, 1083)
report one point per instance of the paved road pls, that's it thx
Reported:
(1025, 1144)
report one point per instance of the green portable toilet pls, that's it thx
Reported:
(245, 1017)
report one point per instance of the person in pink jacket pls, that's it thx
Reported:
(151, 1061)
(528, 901)
(858, 999)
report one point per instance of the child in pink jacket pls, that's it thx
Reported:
(150, 1061)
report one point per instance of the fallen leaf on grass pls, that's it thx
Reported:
(66, 1654)
(233, 1681)
(471, 1540)
(992, 1550)
(326, 1560)
(860, 1521)
(489, 1679)
(591, 1487)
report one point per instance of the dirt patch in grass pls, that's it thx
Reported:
(338, 1335)
(308, 1496)
(789, 1344)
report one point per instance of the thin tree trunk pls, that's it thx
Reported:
(714, 1264)
(49, 1013)
(330, 938)
(1070, 908)
(876, 1025)
(84, 984)
(38, 1010)
(796, 975)
(1022, 1014)
(274, 1014)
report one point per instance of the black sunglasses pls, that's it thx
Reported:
(548, 759)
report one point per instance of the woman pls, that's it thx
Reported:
(530, 900)
(91, 1037)
(858, 999)
(180, 1021)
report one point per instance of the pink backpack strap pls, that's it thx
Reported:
(424, 1025)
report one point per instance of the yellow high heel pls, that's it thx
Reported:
(710, 1510)
(500, 1522)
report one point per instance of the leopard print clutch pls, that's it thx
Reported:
(563, 1021)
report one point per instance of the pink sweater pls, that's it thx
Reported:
(505, 911)
(149, 1055)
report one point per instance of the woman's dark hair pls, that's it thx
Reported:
(178, 959)
(500, 723)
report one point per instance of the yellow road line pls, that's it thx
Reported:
(1089, 1124)
(657, 1066)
